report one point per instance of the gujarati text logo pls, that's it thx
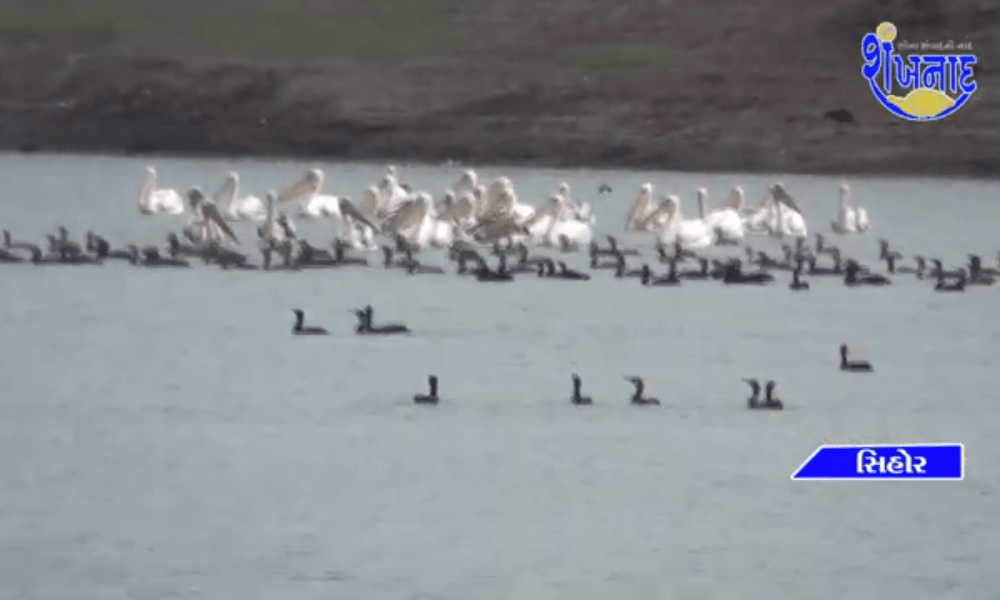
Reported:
(933, 85)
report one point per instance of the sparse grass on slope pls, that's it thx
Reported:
(270, 32)
(621, 58)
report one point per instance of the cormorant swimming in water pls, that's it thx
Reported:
(432, 397)
(770, 401)
(956, 286)
(483, 272)
(890, 264)
(701, 273)
(822, 248)
(298, 328)
(836, 270)
(576, 398)
(415, 268)
(797, 284)
(595, 258)
(151, 258)
(340, 254)
(885, 254)
(754, 400)
(853, 365)
(7, 257)
(613, 244)
(637, 397)
(102, 249)
(387, 261)
(853, 276)
(977, 274)
(365, 327)
(735, 275)
(567, 273)
(621, 272)
(520, 267)
(939, 271)
(669, 279)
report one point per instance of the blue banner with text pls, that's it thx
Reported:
(928, 462)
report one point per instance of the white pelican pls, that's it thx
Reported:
(465, 183)
(446, 202)
(359, 229)
(541, 224)
(233, 206)
(409, 219)
(287, 226)
(557, 224)
(849, 218)
(760, 219)
(369, 203)
(417, 222)
(778, 215)
(478, 199)
(500, 193)
(658, 217)
(462, 211)
(269, 233)
(438, 232)
(725, 222)
(498, 203)
(306, 190)
(643, 207)
(390, 194)
(572, 229)
(315, 204)
(692, 234)
(208, 224)
(153, 200)
(581, 212)
(788, 218)
(277, 233)
(361, 234)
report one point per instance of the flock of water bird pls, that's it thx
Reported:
(366, 326)
(474, 222)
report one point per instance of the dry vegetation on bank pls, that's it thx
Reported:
(676, 84)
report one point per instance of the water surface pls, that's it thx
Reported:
(163, 436)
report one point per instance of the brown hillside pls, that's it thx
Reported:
(678, 84)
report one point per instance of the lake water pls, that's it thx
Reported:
(163, 436)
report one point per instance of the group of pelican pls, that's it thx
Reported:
(472, 211)
(469, 211)
(778, 214)
(468, 214)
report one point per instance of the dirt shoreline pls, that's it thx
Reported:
(473, 141)
(738, 106)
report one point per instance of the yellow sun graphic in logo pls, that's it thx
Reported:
(886, 32)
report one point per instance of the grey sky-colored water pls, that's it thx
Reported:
(162, 435)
